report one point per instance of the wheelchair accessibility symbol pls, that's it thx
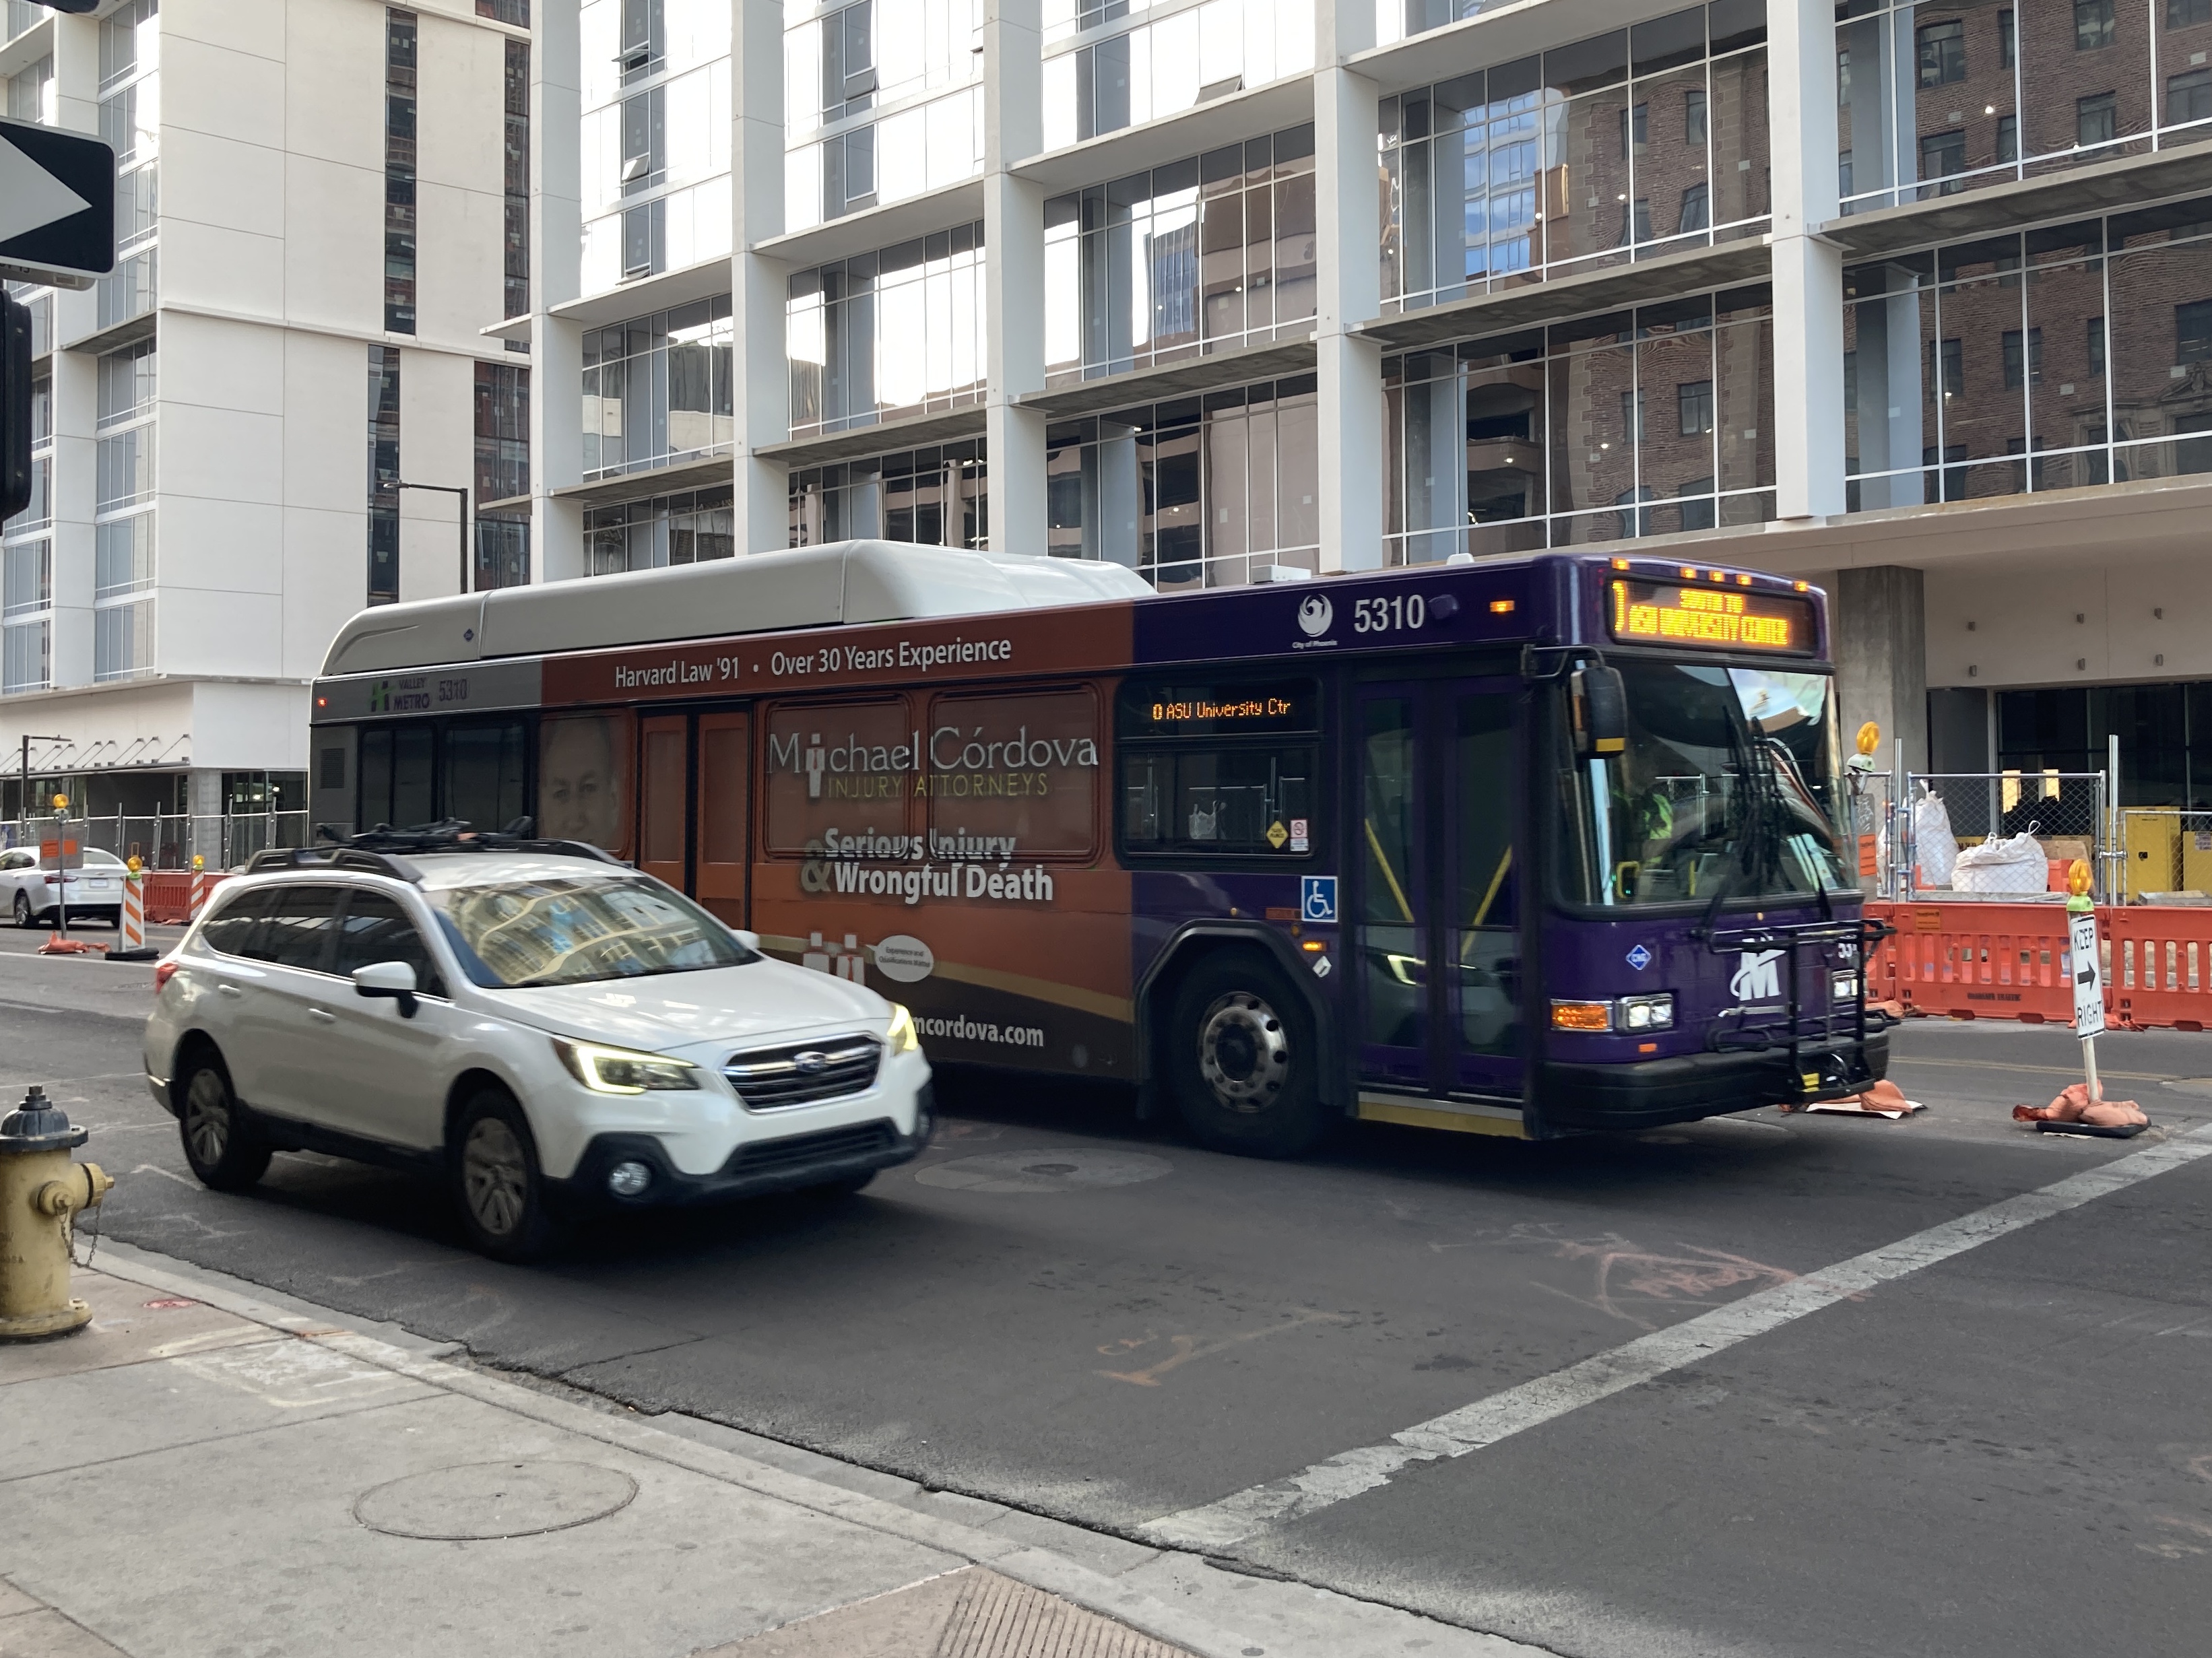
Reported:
(1317, 897)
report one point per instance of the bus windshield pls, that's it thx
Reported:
(512, 935)
(1729, 777)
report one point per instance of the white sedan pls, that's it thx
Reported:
(30, 886)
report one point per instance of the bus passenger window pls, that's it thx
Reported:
(1238, 801)
(1022, 771)
(839, 775)
(581, 764)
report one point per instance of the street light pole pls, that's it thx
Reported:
(462, 490)
(23, 805)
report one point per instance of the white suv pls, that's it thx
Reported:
(544, 1027)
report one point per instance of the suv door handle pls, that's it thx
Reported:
(323, 1014)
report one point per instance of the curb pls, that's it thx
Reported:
(1039, 1568)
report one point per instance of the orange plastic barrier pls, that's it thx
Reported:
(169, 895)
(1974, 961)
(2161, 967)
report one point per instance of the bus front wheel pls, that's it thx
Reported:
(1243, 1058)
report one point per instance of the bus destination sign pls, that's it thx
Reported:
(1718, 618)
(1186, 709)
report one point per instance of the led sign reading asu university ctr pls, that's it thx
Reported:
(1718, 618)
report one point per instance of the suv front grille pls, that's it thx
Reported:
(770, 1078)
(777, 1156)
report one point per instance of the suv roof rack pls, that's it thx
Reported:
(453, 835)
(330, 858)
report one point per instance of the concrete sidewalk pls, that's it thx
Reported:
(213, 1469)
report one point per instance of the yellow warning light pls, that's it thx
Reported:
(1716, 575)
(1501, 607)
(1869, 738)
(1689, 573)
(1802, 587)
(1620, 564)
(198, 863)
(1743, 581)
(2077, 877)
(61, 803)
(135, 866)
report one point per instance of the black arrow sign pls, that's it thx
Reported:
(56, 205)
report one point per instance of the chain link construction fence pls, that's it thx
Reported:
(171, 840)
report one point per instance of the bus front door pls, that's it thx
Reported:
(1436, 909)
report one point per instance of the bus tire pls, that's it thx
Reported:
(1243, 1060)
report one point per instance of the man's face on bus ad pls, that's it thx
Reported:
(579, 794)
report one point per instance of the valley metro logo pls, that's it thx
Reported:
(1757, 975)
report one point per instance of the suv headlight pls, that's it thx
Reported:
(619, 1071)
(901, 1037)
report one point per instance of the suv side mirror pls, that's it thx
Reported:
(393, 979)
(1601, 710)
(749, 941)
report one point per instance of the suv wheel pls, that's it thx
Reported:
(496, 1179)
(220, 1143)
(1243, 1058)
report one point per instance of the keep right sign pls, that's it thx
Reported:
(2088, 985)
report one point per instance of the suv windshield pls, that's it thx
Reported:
(566, 930)
(1730, 776)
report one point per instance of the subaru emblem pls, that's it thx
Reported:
(810, 1063)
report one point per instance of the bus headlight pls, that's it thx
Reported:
(1647, 1012)
(619, 1071)
(1844, 987)
(901, 1037)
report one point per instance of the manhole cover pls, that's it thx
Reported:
(1055, 1169)
(484, 1500)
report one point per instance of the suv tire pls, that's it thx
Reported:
(220, 1143)
(1243, 1058)
(497, 1184)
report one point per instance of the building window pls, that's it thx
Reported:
(1566, 161)
(2023, 358)
(888, 334)
(2192, 331)
(1943, 49)
(27, 598)
(516, 12)
(936, 497)
(2189, 97)
(686, 528)
(123, 557)
(2093, 22)
(502, 431)
(1943, 155)
(30, 92)
(2097, 118)
(123, 640)
(1201, 491)
(2184, 13)
(502, 551)
(1213, 250)
(383, 474)
(657, 389)
(2007, 138)
(516, 244)
(1693, 402)
(2008, 39)
(2094, 333)
(1532, 440)
(400, 163)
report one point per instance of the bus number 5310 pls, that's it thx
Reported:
(1382, 616)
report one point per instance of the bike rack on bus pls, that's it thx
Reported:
(1834, 1068)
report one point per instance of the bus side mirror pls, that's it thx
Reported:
(1601, 710)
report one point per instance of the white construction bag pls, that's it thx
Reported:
(1935, 848)
(2015, 865)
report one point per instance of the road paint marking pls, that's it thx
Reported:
(167, 1174)
(2039, 1070)
(1186, 1348)
(1487, 1421)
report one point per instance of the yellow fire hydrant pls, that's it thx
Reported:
(41, 1191)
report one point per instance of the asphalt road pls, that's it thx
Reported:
(2007, 1451)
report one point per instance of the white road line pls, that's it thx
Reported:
(1348, 1474)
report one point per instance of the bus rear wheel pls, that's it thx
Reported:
(1243, 1058)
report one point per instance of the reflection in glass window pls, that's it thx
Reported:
(1986, 369)
(1576, 159)
(1213, 250)
(888, 334)
(1110, 64)
(1215, 802)
(657, 389)
(686, 528)
(938, 497)
(512, 935)
(1193, 493)
(1556, 437)
(1022, 771)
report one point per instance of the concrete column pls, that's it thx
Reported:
(1808, 270)
(557, 445)
(1882, 659)
(1013, 273)
(762, 375)
(1349, 279)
